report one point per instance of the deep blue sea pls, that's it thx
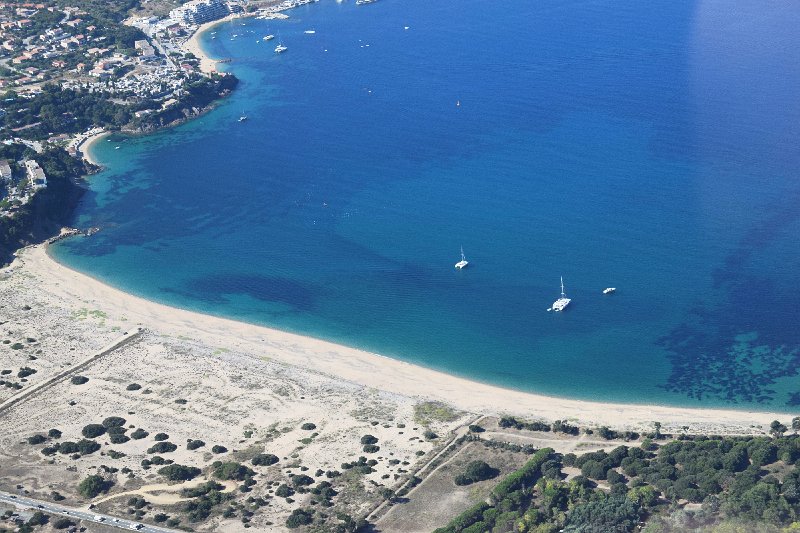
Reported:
(649, 146)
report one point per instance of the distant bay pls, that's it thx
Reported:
(650, 147)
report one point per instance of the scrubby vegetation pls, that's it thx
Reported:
(176, 472)
(476, 471)
(231, 470)
(265, 459)
(93, 485)
(748, 480)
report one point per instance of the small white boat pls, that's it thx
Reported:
(563, 302)
(242, 118)
(461, 264)
(609, 290)
(280, 49)
(310, 32)
(269, 37)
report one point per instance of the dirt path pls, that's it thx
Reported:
(171, 497)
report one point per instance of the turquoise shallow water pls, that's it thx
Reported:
(649, 147)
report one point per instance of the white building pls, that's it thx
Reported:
(200, 11)
(36, 175)
(5, 171)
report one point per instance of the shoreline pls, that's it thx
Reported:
(374, 371)
(85, 147)
(208, 65)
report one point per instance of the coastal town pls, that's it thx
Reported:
(69, 73)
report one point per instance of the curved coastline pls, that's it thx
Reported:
(86, 146)
(371, 370)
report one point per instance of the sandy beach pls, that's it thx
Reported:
(192, 45)
(77, 351)
(85, 146)
(371, 370)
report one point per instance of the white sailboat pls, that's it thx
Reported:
(461, 264)
(609, 290)
(563, 302)
(281, 47)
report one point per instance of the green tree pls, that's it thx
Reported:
(92, 486)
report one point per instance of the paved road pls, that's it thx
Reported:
(79, 514)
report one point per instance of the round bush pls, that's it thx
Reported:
(118, 438)
(265, 459)
(194, 444)
(476, 471)
(79, 380)
(139, 434)
(36, 439)
(308, 426)
(218, 449)
(162, 447)
(369, 439)
(114, 421)
(371, 448)
(133, 386)
(161, 436)
(91, 431)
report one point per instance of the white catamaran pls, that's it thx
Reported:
(563, 302)
(461, 264)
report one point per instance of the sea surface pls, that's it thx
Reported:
(648, 146)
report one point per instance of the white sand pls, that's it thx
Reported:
(370, 370)
(85, 147)
(192, 45)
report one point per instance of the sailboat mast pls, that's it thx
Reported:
(562, 287)
(462, 253)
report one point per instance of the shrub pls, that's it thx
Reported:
(114, 421)
(79, 380)
(160, 517)
(218, 449)
(133, 386)
(161, 436)
(91, 431)
(92, 486)
(36, 439)
(67, 447)
(369, 439)
(194, 444)
(430, 435)
(38, 519)
(118, 438)
(265, 459)
(302, 480)
(308, 426)
(299, 517)
(85, 447)
(25, 372)
(63, 523)
(54, 434)
(476, 429)
(476, 471)
(232, 470)
(371, 448)
(17, 346)
(139, 434)
(162, 447)
(284, 491)
(176, 472)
